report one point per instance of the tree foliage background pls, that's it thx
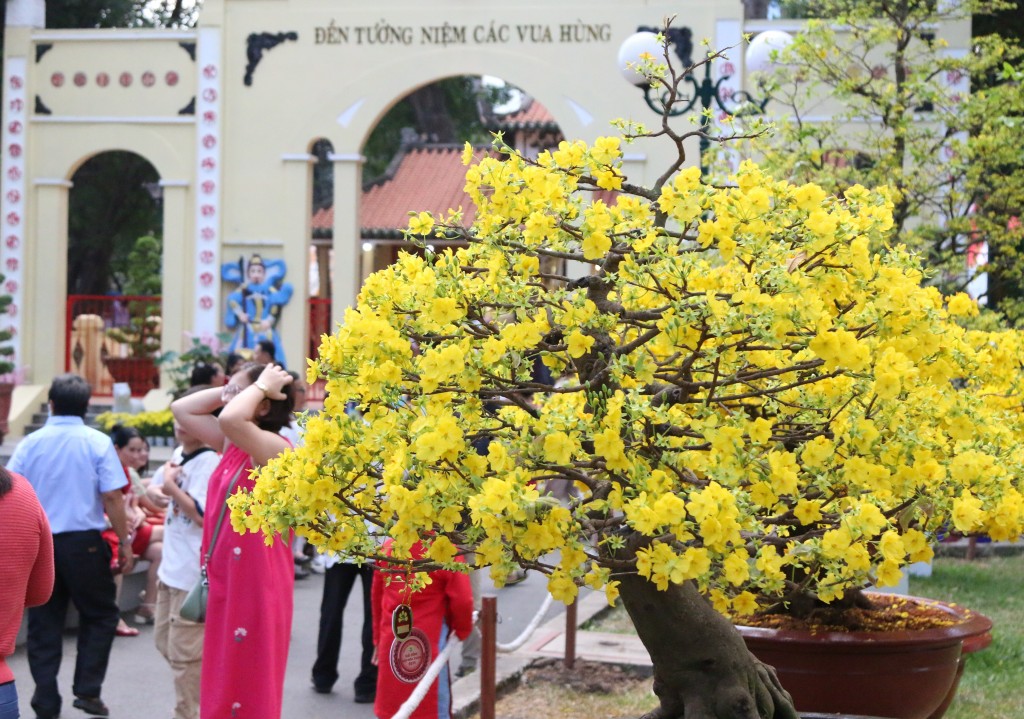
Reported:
(109, 209)
(448, 111)
(903, 119)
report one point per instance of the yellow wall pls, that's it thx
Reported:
(350, 63)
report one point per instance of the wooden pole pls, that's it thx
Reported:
(570, 636)
(488, 655)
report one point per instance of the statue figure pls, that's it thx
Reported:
(254, 308)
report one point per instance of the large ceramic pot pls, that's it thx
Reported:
(140, 373)
(900, 675)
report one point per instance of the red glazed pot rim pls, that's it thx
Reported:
(971, 624)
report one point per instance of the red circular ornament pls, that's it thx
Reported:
(208, 210)
(208, 187)
(16, 82)
(125, 79)
(13, 196)
(148, 79)
(210, 72)
(14, 150)
(208, 233)
(57, 79)
(14, 174)
(14, 127)
(209, 142)
(80, 79)
(206, 302)
(12, 264)
(210, 95)
(206, 279)
(206, 257)
(410, 658)
(12, 242)
(171, 78)
(102, 79)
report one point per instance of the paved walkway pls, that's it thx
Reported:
(139, 681)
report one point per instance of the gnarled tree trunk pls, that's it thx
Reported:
(702, 669)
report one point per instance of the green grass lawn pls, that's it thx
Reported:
(993, 682)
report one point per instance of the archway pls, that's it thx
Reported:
(414, 155)
(115, 240)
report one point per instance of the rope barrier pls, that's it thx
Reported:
(530, 628)
(410, 704)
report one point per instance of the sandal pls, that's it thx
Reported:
(144, 614)
(123, 630)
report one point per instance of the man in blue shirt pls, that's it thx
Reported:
(77, 476)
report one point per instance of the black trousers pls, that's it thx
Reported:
(82, 575)
(338, 581)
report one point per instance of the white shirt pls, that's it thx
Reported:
(183, 538)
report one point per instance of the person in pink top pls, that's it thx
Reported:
(26, 571)
(249, 609)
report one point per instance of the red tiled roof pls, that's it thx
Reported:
(426, 179)
(323, 219)
(532, 116)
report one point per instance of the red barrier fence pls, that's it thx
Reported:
(110, 339)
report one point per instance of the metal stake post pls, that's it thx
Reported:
(570, 636)
(488, 655)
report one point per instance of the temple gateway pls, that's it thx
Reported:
(228, 114)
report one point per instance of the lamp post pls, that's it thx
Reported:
(706, 92)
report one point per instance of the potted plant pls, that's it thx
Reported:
(751, 401)
(140, 334)
(151, 425)
(180, 366)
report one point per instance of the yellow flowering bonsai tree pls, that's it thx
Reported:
(753, 410)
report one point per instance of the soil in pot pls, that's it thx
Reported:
(901, 660)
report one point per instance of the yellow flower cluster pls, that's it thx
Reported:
(738, 393)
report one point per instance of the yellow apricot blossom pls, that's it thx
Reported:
(748, 387)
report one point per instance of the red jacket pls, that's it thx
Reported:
(26, 563)
(444, 605)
